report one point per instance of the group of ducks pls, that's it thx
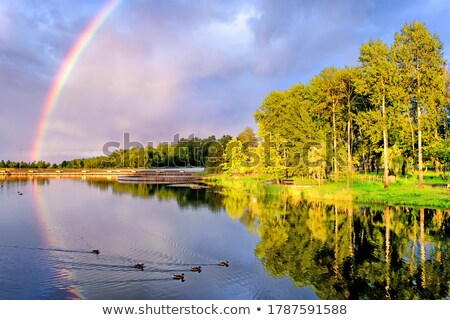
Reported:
(180, 276)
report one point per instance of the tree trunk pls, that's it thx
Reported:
(436, 160)
(385, 143)
(419, 147)
(413, 141)
(372, 163)
(365, 163)
(334, 143)
(349, 147)
(349, 155)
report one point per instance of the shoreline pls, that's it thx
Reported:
(362, 193)
(402, 193)
(65, 172)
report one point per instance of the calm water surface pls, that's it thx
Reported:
(278, 247)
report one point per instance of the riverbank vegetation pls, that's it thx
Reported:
(362, 190)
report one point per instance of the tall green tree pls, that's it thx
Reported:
(377, 82)
(350, 99)
(328, 91)
(419, 56)
(290, 116)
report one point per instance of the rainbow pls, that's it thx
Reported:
(64, 71)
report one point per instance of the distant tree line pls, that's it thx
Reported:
(8, 164)
(187, 152)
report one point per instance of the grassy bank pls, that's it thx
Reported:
(404, 192)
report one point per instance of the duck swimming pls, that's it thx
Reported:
(223, 263)
(196, 269)
(139, 266)
(178, 277)
(95, 251)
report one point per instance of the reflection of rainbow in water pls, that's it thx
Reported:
(66, 276)
(65, 70)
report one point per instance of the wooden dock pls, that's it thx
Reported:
(160, 177)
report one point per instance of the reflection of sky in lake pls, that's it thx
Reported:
(127, 230)
(25, 269)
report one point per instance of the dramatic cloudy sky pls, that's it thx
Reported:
(157, 68)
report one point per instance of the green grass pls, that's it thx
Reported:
(404, 192)
(434, 178)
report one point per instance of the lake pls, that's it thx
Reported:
(277, 247)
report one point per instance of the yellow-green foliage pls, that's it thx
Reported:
(404, 192)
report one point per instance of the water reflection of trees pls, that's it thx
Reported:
(348, 251)
(358, 253)
(341, 251)
(184, 196)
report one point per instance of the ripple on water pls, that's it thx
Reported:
(110, 275)
(28, 274)
(113, 272)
